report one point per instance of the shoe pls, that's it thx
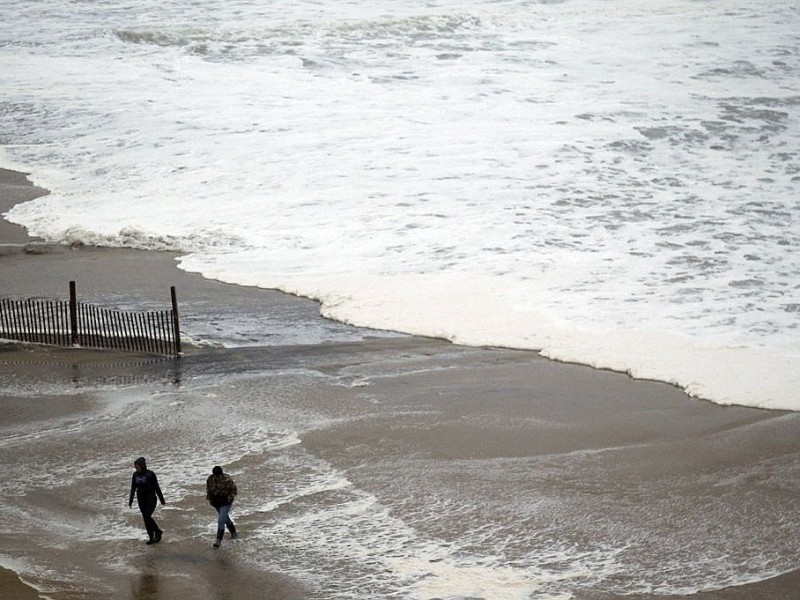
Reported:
(153, 541)
(157, 539)
(234, 535)
(217, 544)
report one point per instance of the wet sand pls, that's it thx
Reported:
(475, 406)
(13, 589)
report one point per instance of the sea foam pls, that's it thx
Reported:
(609, 184)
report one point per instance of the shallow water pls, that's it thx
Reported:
(398, 469)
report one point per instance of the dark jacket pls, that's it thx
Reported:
(144, 484)
(220, 490)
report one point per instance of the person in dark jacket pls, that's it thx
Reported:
(144, 484)
(220, 492)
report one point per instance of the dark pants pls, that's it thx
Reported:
(148, 507)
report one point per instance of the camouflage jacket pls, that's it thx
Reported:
(220, 490)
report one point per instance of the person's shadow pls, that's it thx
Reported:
(220, 573)
(146, 586)
(223, 579)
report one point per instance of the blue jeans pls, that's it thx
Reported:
(224, 520)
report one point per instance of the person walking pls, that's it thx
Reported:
(144, 484)
(220, 492)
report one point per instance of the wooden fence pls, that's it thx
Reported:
(73, 323)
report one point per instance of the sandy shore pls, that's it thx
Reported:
(14, 589)
(434, 408)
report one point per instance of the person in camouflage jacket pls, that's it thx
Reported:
(220, 493)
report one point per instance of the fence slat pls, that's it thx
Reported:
(164, 332)
(104, 318)
(78, 324)
(166, 323)
(53, 316)
(44, 321)
(148, 337)
(64, 319)
(63, 328)
(36, 329)
(116, 331)
(141, 331)
(26, 320)
(3, 317)
(159, 323)
(15, 328)
(44, 310)
(150, 331)
(9, 311)
(6, 319)
(19, 316)
(44, 316)
(127, 330)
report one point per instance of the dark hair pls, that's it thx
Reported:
(217, 470)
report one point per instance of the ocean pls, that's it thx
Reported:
(612, 183)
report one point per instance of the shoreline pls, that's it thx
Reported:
(662, 411)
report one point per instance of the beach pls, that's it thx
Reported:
(393, 465)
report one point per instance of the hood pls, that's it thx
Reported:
(141, 462)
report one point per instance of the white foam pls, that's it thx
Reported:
(467, 171)
(450, 581)
(326, 483)
(725, 371)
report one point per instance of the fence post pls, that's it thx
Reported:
(73, 313)
(175, 323)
